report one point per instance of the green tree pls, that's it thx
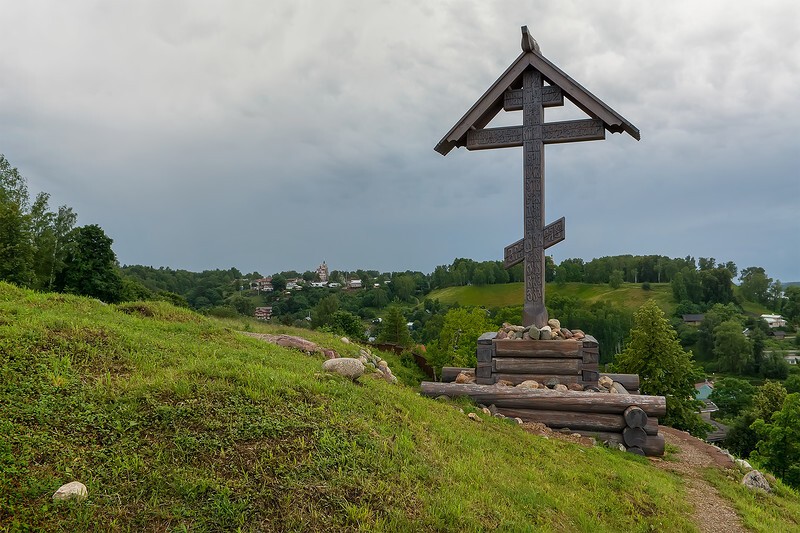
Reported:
(458, 339)
(322, 313)
(774, 366)
(732, 396)
(768, 399)
(791, 304)
(615, 279)
(779, 448)
(403, 287)
(278, 283)
(394, 329)
(792, 384)
(742, 439)
(664, 368)
(133, 290)
(705, 332)
(731, 348)
(90, 268)
(346, 323)
(16, 242)
(755, 285)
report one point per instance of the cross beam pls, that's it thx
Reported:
(554, 233)
(552, 133)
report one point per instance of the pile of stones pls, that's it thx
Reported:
(552, 331)
(375, 364)
(604, 385)
(354, 368)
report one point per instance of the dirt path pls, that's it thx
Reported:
(712, 513)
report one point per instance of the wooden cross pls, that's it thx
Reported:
(531, 84)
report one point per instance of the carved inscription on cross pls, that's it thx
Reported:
(529, 85)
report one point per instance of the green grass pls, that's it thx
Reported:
(629, 295)
(176, 422)
(761, 512)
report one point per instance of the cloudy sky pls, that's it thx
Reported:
(272, 135)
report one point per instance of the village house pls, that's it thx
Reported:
(693, 320)
(263, 313)
(261, 285)
(774, 321)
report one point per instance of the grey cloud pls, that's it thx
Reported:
(274, 135)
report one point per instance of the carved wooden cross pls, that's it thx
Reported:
(522, 88)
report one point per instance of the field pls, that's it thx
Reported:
(628, 295)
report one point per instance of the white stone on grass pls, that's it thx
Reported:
(74, 490)
(344, 366)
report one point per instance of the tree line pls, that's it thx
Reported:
(42, 248)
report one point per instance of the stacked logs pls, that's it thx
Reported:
(625, 419)
(515, 361)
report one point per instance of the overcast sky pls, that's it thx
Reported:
(273, 135)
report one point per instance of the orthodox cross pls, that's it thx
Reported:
(531, 84)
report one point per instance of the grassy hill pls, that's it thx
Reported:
(629, 295)
(178, 423)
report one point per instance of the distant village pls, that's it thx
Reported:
(322, 279)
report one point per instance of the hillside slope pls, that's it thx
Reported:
(629, 295)
(176, 422)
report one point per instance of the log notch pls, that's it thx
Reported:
(635, 417)
(634, 436)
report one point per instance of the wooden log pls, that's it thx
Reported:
(635, 417)
(652, 447)
(449, 373)
(634, 436)
(545, 349)
(484, 353)
(629, 381)
(575, 420)
(618, 388)
(590, 342)
(567, 419)
(484, 370)
(487, 338)
(636, 450)
(548, 399)
(516, 379)
(524, 365)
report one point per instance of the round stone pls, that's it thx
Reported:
(74, 490)
(344, 366)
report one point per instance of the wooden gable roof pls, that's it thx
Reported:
(490, 104)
